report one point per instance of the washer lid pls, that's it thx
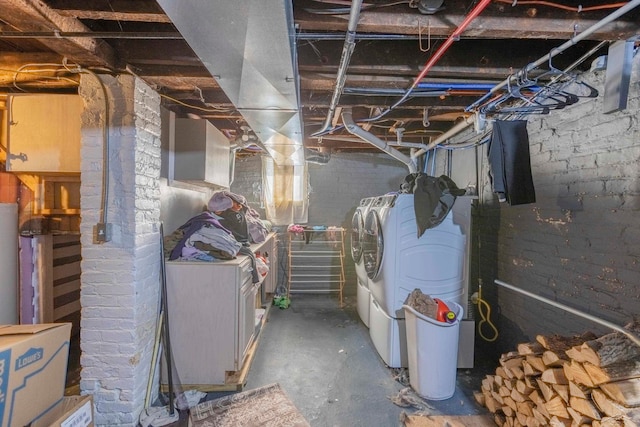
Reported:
(357, 229)
(372, 245)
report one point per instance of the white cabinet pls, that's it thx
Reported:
(44, 133)
(212, 312)
(201, 153)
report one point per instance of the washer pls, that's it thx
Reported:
(397, 262)
(357, 230)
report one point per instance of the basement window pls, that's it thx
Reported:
(285, 192)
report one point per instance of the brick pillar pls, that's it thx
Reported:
(120, 278)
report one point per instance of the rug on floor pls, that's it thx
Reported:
(267, 406)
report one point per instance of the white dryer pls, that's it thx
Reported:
(397, 262)
(357, 230)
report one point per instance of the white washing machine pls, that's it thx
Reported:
(397, 262)
(357, 229)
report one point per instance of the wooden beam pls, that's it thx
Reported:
(496, 22)
(23, 15)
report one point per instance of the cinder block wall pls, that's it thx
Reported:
(579, 243)
(120, 278)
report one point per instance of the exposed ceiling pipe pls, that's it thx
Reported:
(347, 50)
(438, 54)
(452, 38)
(465, 123)
(356, 130)
(471, 120)
(583, 35)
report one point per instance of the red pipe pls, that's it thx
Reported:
(453, 37)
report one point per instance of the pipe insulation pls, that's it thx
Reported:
(356, 130)
(9, 263)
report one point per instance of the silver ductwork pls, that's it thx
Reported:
(249, 48)
(356, 130)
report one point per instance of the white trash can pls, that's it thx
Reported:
(432, 350)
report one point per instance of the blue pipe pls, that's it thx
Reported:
(450, 86)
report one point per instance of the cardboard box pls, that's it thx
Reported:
(73, 411)
(33, 370)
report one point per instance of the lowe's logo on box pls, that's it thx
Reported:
(5, 362)
(30, 356)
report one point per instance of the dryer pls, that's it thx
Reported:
(357, 230)
(401, 262)
(397, 262)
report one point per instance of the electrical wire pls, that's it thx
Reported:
(22, 70)
(195, 107)
(578, 9)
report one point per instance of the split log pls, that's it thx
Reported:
(530, 348)
(579, 391)
(611, 408)
(614, 422)
(553, 359)
(625, 392)
(539, 416)
(517, 396)
(608, 349)
(525, 408)
(524, 388)
(532, 422)
(575, 372)
(560, 343)
(492, 404)
(510, 403)
(562, 390)
(545, 389)
(514, 372)
(554, 376)
(560, 422)
(513, 362)
(536, 362)
(529, 370)
(585, 407)
(556, 407)
(578, 418)
(616, 372)
(479, 397)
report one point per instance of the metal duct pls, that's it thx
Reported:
(356, 130)
(249, 47)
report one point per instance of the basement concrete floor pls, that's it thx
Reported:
(323, 358)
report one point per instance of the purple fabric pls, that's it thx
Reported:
(190, 227)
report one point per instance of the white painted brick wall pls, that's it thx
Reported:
(578, 244)
(120, 279)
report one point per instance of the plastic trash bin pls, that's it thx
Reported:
(432, 350)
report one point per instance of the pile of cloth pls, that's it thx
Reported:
(224, 230)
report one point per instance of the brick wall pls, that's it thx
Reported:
(578, 244)
(120, 278)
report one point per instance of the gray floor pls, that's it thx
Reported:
(323, 358)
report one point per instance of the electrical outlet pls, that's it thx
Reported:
(101, 232)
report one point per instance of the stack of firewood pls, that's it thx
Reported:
(567, 381)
